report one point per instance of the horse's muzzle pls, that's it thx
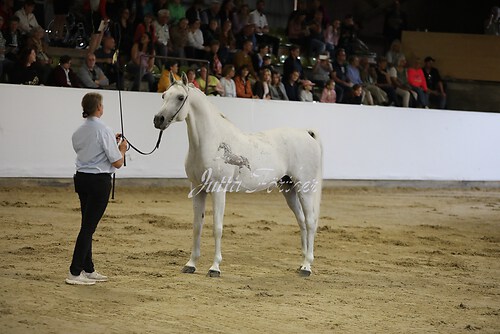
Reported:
(158, 121)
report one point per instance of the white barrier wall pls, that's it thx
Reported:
(359, 142)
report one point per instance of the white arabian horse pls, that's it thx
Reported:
(222, 159)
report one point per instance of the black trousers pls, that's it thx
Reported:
(93, 191)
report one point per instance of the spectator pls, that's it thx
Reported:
(243, 84)
(258, 57)
(315, 6)
(123, 34)
(97, 19)
(246, 34)
(90, 75)
(417, 81)
(329, 95)
(27, 19)
(43, 61)
(162, 31)
(297, 30)
(305, 91)
(179, 37)
(142, 62)
(177, 11)
(354, 76)
(240, 19)
(146, 26)
(164, 82)
(227, 43)
(399, 80)
(24, 72)
(492, 23)
(258, 18)
(339, 75)
(210, 13)
(191, 76)
(213, 58)
(292, 62)
(211, 32)
(369, 80)
(317, 43)
(243, 57)
(12, 39)
(434, 83)
(195, 47)
(63, 75)
(354, 96)
(394, 23)
(394, 53)
(292, 86)
(384, 81)
(5, 64)
(226, 11)
(214, 85)
(261, 87)
(193, 13)
(348, 34)
(322, 69)
(277, 88)
(227, 81)
(6, 9)
(331, 36)
(106, 58)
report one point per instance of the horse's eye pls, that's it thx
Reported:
(180, 98)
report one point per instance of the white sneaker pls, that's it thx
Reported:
(95, 276)
(79, 280)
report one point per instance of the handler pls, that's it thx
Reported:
(98, 153)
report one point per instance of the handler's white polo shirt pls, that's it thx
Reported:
(95, 147)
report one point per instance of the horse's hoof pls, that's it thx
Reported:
(304, 273)
(213, 273)
(188, 270)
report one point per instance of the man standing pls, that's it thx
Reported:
(97, 157)
(258, 18)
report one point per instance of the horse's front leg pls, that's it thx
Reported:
(198, 219)
(219, 204)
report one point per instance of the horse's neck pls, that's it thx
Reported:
(205, 123)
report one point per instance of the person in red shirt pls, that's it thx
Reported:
(416, 79)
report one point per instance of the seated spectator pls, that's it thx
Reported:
(240, 18)
(193, 13)
(213, 58)
(305, 91)
(339, 75)
(27, 19)
(331, 35)
(227, 81)
(258, 57)
(163, 32)
(63, 75)
(243, 84)
(106, 59)
(369, 80)
(399, 80)
(354, 76)
(322, 69)
(317, 43)
(142, 63)
(328, 95)
(146, 26)
(212, 12)
(297, 30)
(348, 34)
(292, 62)
(177, 11)
(24, 72)
(227, 43)
(394, 53)
(43, 61)
(195, 47)
(191, 76)
(267, 63)
(435, 86)
(384, 81)
(243, 57)
(354, 96)
(13, 39)
(226, 11)
(417, 81)
(261, 87)
(171, 68)
(214, 85)
(246, 34)
(179, 37)
(292, 86)
(277, 89)
(211, 32)
(123, 32)
(258, 18)
(90, 75)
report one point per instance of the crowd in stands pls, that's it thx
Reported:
(225, 47)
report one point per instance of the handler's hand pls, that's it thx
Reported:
(122, 146)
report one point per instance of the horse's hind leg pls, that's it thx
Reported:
(219, 204)
(292, 199)
(307, 200)
(199, 217)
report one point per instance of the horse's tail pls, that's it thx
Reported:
(319, 174)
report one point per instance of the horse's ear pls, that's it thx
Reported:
(184, 78)
(171, 77)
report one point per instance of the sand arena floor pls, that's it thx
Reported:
(398, 260)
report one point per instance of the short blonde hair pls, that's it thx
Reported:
(90, 103)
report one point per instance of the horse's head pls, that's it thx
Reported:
(174, 108)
